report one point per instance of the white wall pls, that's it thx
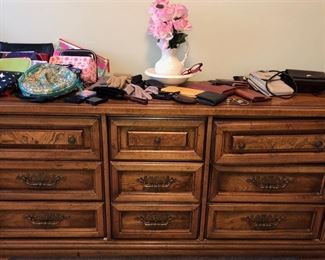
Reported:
(228, 36)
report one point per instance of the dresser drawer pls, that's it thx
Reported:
(50, 180)
(273, 183)
(36, 219)
(159, 140)
(260, 221)
(50, 138)
(139, 181)
(280, 141)
(155, 221)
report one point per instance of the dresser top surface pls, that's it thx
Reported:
(302, 105)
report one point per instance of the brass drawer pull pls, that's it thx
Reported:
(156, 183)
(264, 221)
(157, 141)
(270, 183)
(41, 181)
(49, 220)
(318, 144)
(72, 140)
(241, 147)
(156, 222)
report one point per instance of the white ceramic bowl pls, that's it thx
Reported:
(167, 79)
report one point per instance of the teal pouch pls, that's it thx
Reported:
(48, 81)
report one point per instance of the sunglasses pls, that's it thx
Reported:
(194, 69)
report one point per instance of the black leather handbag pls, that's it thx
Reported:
(305, 80)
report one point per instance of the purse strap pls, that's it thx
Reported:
(279, 73)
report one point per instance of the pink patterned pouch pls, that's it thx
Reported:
(102, 62)
(86, 64)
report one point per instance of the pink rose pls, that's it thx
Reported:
(180, 11)
(161, 30)
(182, 24)
(158, 4)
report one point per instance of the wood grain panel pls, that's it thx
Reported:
(269, 142)
(268, 184)
(139, 181)
(157, 139)
(155, 221)
(40, 219)
(262, 221)
(49, 138)
(50, 180)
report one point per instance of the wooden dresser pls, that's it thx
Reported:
(163, 179)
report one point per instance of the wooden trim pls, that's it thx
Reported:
(106, 171)
(206, 175)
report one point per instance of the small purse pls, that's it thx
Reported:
(305, 80)
(86, 64)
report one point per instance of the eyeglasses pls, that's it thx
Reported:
(194, 69)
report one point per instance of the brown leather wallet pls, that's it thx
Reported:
(251, 95)
(219, 89)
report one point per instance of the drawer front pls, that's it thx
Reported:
(35, 219)
(50, 180)
(269, 184)
(138, 181)
(275, 142)
(155, 221)
(50, 138)
(159, 140)
(258, 221)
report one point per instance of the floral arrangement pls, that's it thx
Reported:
(168, 23)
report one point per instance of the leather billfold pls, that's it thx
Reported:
(210, 98)
(219, 89)
(251, 95)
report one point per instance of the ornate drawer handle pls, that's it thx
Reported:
(156, 222)
(72, 140)
(156, 183)
(49, 220)
(264, 221)
(157, 140)
(270, 183)
(241, 147)
(41, 181)
(318, 144)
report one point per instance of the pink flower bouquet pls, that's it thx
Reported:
(168, 23)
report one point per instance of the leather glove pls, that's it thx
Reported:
(118, 80)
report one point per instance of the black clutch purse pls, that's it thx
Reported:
(305, 80)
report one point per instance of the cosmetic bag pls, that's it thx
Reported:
(102, 62)
(15, 64)
(86, 64)
(45, 81)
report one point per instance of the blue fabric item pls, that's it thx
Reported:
(8, 80)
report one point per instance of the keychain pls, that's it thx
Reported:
(237, 101)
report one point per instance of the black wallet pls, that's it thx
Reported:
(210, 98)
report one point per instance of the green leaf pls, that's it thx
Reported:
(177, 40)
